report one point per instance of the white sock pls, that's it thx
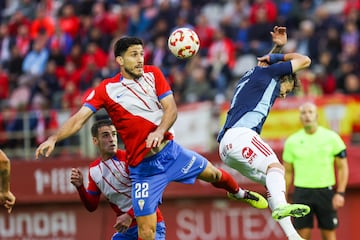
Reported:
(275, 184)
(240, 193)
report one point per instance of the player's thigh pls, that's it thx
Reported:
(188, 165)
(146, 193)
(244, 150)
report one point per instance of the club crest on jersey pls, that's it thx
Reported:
(141, 203)
(248, 154)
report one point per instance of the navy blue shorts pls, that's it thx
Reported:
(320, 202)
(150, 178)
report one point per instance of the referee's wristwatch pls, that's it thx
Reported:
(341, 193)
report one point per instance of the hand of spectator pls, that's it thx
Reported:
(123, 222)
(76, 177)
(8, 200)
(45, 148)
(279, 36)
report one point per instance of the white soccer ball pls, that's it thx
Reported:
(183, 43)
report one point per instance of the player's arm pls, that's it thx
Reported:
(279, 38)
(70, 127)
(298, 61)
(90, 201)
(6, 197)
(4, 173)
(168, 119)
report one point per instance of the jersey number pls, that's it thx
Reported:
(141, 190)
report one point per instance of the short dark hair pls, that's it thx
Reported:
(98, 124)
(292, 78)
(124, 43)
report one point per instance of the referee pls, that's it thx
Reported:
(310, 156)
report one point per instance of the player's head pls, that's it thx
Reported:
(129, 54)
(308, 115)
(288, 84)
(104, 136)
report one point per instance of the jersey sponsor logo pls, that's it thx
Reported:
(248, 154)
(189, 165)
(141, 203)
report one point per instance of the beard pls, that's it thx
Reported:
(132, 73)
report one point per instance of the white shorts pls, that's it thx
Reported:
(244, 150)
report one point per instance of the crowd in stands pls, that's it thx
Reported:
(52, 52)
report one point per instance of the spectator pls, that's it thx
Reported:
(268, 9)
(205, 33)
(48, 87)
(42, 25)
(18, 19)
(35, 61)
(198, 89)
(4, 83)
(221, 59)
(69, 23)
(60, 40)
(5, 45)
(352, 84)
(258, 34)
(22, 41)
(14, 67)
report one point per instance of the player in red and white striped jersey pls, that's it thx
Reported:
(109, 175)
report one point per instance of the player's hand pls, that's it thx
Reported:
(8, 200)
(45, 148)
(279, 36)
(154, 139)
(123, 222)
(76, 177)
(264, 61)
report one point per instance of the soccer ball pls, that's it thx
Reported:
(183, 43)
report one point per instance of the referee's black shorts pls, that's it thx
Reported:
(320, 202)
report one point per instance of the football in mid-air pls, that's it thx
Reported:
(183, 43)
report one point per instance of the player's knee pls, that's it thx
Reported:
(276, 166)
(210, 174)
(146, 233)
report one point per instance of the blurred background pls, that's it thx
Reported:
(53, 52)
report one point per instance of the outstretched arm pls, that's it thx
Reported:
(298, 61)
(70, 127)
